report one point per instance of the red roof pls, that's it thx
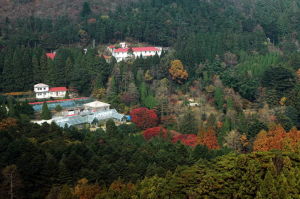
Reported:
(112, 46)
(50, 55)
(137, 49)
(55, 89)
(53, 101)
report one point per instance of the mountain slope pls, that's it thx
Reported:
(54, 8)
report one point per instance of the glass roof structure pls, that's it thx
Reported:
(88, 117)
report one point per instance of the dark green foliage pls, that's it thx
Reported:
(111, 128)
(279, 79)
(3, 111)
(46, 114)
(58, 108)
(219, 98)
(188, 124)
(286, 122)
(86, 10)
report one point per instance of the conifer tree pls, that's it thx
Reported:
(64, 177)
(44, 68)
(111, 127)
(188, 124)
(86, 10)
(27, 77)
(268, 187)
(37, 71)
(46, 114)
(219, 98)
(68, 71)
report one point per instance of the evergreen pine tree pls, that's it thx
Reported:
(44, 68)
(7, 76)
(64, 177)
(219, 98)
(68, 71)
(111, 127)
(86, 10)
(268, 187)
(46, 114)
(37, 71)
(188, 124)
(27, 70)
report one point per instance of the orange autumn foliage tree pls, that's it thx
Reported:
(6, 123)
(120, 186)
(209, 139)
(292, 140)
(277, 138)
(177, 72)
(83, 190)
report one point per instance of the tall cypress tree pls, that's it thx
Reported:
(44, 68)
(27, 69)
(46, 114)
(86, 10)
(188, 124)
(37, 70)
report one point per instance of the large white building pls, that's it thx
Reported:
(124, 52)
(43, 91)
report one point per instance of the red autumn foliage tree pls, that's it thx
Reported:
(155, 131)
(209, 139)
(144, 118)
(277, 138)
(186, 139)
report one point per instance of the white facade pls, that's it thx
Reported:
(42, 91)
(121, 54)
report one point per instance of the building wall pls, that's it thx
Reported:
(42, 95)
(57, 94)
(45, 95)
(41, 89)
(123, 55)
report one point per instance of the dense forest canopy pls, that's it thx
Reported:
(216, 115)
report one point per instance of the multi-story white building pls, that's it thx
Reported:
(125, 52)
(43, 91)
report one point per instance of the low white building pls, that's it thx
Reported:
(124, 53)
(96, 106)
(43, 91)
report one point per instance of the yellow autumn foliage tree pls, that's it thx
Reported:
(177, 71)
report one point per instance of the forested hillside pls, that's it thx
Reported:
(216, 115)
(52, 9)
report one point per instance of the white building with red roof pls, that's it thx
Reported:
(43, 91)
(124, 52)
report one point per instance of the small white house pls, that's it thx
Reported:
(43, 91)
(123, 53)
